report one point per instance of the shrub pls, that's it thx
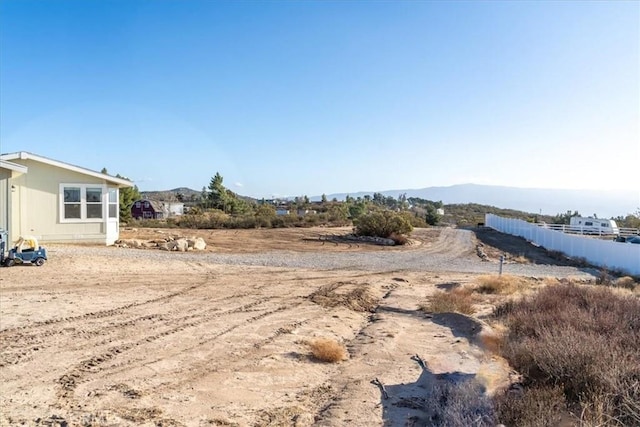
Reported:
(415, 220)
(458, 300)
(585, 340)
(494, 284)
(537, 406)
(327, 350)
(382, 224)
(459, 404)
(604, 278)
(626, 282)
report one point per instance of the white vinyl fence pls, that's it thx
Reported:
(602, 253)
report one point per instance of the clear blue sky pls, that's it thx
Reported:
(312, 97)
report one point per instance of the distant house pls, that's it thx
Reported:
(303, 212)
(152, 209)
(282, 211)
(175, 208)
(56, 201)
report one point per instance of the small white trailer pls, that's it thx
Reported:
(602, 227)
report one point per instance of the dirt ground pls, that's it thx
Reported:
(106, 341)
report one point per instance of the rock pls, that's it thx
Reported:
(199, 244)
(181, 245)
(196, 243)
(132, 243)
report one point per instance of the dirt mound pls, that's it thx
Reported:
(348, 294)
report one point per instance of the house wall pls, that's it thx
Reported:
(176, 209)
(139, 213)
(5, 187)
(36, 205)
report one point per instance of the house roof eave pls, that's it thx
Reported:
(23, 155)
(14, 167)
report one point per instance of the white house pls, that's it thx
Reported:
(56, 201)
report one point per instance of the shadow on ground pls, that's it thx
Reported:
(514, 247)
(452, 399)
(437, 399)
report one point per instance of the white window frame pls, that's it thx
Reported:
(83, 203)
(115, 203)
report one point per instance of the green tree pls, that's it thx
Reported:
(324, 198)
(127, 196)
(218, 195)
(431, 216)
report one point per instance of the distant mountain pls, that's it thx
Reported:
(181, 193)
(604, 204)
(535, 200)
(171, 195)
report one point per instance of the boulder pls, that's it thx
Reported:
(181, 245)
(197, 244)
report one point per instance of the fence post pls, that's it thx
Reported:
(501, 261)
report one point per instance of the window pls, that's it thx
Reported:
(138, 204)
(146, 205)
(94, 202)
(589, 223)
(72, 203)
(113, 203)
(84, 203)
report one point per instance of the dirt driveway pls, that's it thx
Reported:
(127, 337)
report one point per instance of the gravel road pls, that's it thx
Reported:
(454, 251)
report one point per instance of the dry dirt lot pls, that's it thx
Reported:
(106, 336)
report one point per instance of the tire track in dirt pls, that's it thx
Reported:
(13, 341)
(19, 347)
(198, 369)
(37, 336)
(101, 313)
(69, 381)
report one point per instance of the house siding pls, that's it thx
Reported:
(5, 187)
(38, 196)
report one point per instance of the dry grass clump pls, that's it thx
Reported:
(521, 259)
(626, 282)
(503, 284)
(583, 339)
(491, 341)
(458, 300)
(328, 350)
(356, 297)
(463, 403)
(399, 239)
(531, 407)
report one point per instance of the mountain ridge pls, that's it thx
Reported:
(535, 200)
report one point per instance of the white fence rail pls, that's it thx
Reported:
(602, 253)
(577, 229)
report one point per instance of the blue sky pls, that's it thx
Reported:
(311, 97)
